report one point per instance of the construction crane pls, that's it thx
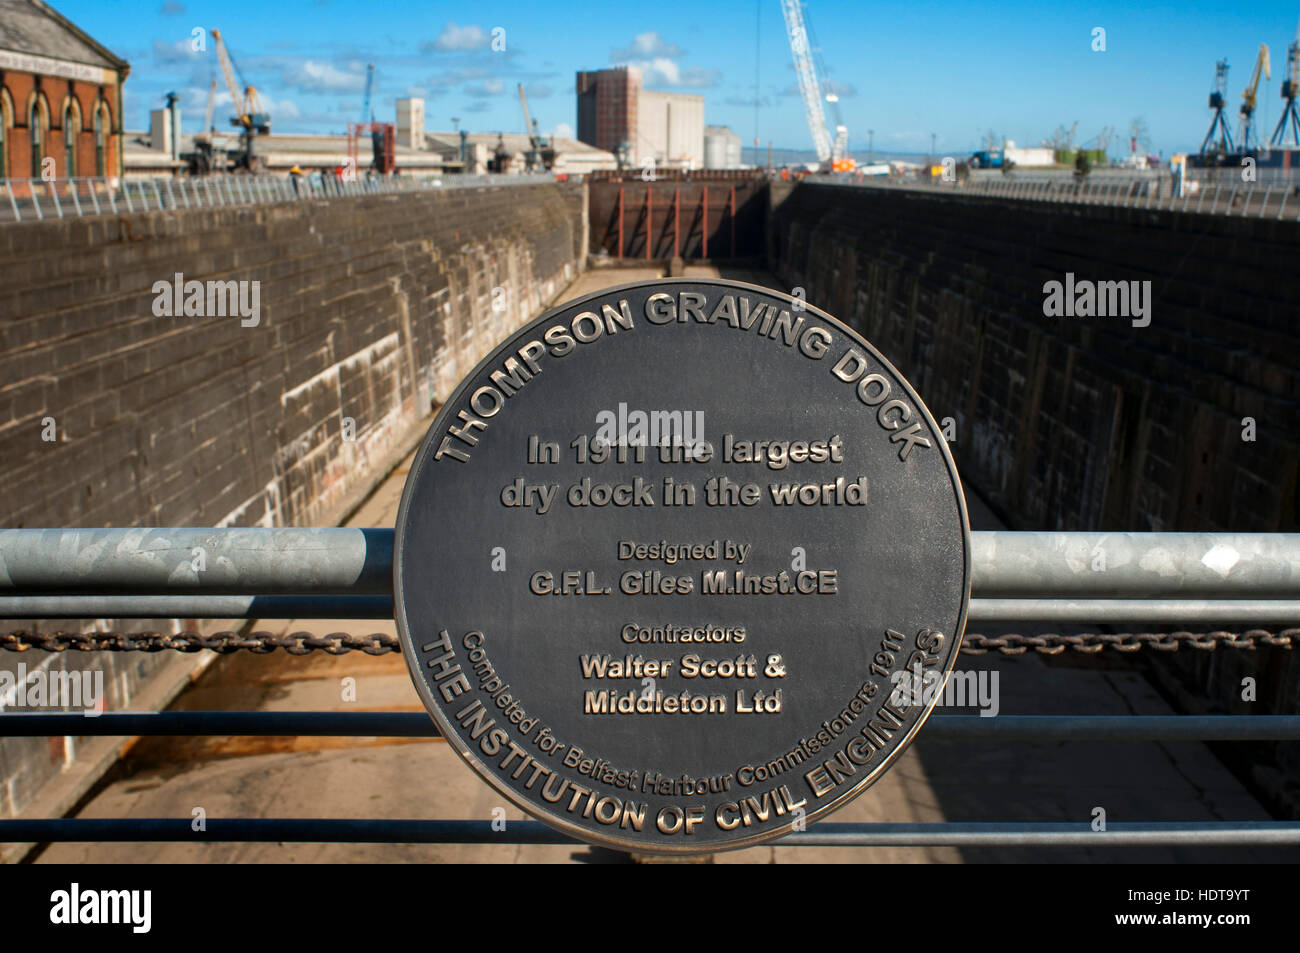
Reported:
(204, 159)
(1218, 100)
(250, 117)
(835, 153)
(1248, 99)
(366, 114)
(541, 155)
(1290, 92)
(208, 129)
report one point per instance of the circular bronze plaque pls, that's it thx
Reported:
(673, 562)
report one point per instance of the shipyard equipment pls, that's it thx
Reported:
(250, 117)
(1288, 127)
(1248, 137)
(1218, 100)
(832, 154)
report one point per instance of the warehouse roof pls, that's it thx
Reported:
(35, 28)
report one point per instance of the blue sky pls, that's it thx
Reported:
(904, 70)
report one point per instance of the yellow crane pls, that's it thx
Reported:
(1248, 100)
(250, 116)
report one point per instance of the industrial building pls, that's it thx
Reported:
(721, 148)
(60, 97)
(616, 114)
(164, 150)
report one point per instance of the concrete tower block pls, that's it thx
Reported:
(410, 123)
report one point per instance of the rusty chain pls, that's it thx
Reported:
(380, 643)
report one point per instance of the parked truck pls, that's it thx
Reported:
(986, 159)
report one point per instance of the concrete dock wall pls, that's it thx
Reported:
(369, 311)
(1089, 423)
(1075, 423)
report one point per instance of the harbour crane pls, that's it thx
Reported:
(541, 155)
(205, 144)
(1290, 121)
(382, 136)
(251, 118)
(366, 114)
(1218, 101)
(1248, 134)
(208, 129)
(832, 153)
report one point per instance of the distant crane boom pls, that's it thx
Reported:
(249, 116)
(809, 87)
(207, 115)
(1248, 97)
(366, 114)
(530, 124)
(228, 71)
(1288, 127)
(541, 155)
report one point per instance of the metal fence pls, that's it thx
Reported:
(1208, 193)
(33, 200)
(347, 573)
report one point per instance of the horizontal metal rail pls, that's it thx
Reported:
(1094, 611)
(237, 561)
(1109, 611)
(1136, 565)
(825, 834)
(331, 724)
(196, 607)
(1267, 197)
(34, 200)
(347, 573)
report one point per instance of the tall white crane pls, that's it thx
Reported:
(809, 85)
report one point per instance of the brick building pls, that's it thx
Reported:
(60, 97)
(607, 108)
(614, 113)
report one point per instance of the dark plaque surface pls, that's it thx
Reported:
(673, 563)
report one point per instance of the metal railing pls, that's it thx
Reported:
(287, 573)
(284, 572)
(34, 200)
(1209, 195)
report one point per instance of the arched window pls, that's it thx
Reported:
(71, 133)
(36, 130)
(101, 139)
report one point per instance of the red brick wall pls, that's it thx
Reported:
(56, 90)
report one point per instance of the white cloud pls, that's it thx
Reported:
(662, 71)
(657, 60)
(459, 39)
(492, 86)
(562, 131)
(312, 77)
(178, 52)
(646, 46)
